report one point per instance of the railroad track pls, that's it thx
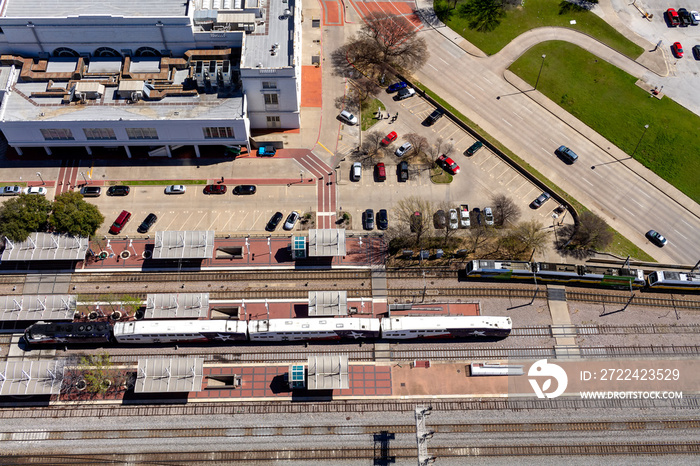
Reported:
(39, 436)
(271, 276)
(386, 455)
(587, 330)
(690, 402)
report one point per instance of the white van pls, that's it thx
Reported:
(356, 172)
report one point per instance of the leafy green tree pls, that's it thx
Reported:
(23, 215)
(72, 215)
(483, 15)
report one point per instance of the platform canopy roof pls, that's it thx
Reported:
(326, 242)
(177, 305)
(43, 307)
(31, 377)
(46, 247)
(328, 303)
(328, 372)
(184, 245)
(159, 375)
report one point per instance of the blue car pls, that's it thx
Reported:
(396, 86)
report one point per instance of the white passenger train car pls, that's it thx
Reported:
(407, 327)
(168, 331)
(313, 329)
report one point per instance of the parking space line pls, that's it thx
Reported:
(211, 224)
(238, 227)
(201, 219)
(171, 221)
(229, 216)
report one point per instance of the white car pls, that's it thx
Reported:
(35, 190)
(695, 17)
(401, 151)
(11, 191)
(488, 215)
(465, 222)
(454, 219)
(348, 117)
(175, 189)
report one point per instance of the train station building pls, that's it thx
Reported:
(147, 77)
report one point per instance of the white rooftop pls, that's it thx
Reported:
(63, 8)
(275, 34)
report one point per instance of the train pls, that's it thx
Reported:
(270, 330)
(669, 280)
(549, 272)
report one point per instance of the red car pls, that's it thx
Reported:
(448, 164)
(381, 171)
(389, 138)
(673, 18)
(215, 189)
(677, 49)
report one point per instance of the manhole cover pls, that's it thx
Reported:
(125, 254)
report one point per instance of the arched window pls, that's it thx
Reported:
(65, 52)
(147, 52)
(106, 52)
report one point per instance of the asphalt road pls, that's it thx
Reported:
(628, 202)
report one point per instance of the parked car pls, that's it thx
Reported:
(91, 191)
(396, 86)
(11, 191)
(266, 151)
(440, 219)
(356, 171)
(405, 93)
(696, 52)
(382, 219)
(147, 223)
(118, 190)
(215, 189)
(473, 148)
(677, 49)
(175, 189)
(454, 219)
(464, 220)
(477, 216)
(274, 221)
(291, 220)
(244, 189)
(488, 215)
(40, 190)
(348, 117)
(541, 199)
(403, 150)
(448, 164)
(368, 219)
(119, 223)
(685, 17)
(433, 117)
(403, 171)
(389, 138)
(656, 238)
(380, 171)
(672, 17)
(416, 220)
(694, 18)
(566, 154)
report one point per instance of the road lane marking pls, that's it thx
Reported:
(629, 212)
(584, 179)
(475, 84)
(504, 121)
(518, 116)
(680, 234)
(433, 67)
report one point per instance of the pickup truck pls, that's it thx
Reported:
(464, 221)
(405, 93)
(266, 151)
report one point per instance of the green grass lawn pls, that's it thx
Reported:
(537, 13)
(606, 99)
(369, 110)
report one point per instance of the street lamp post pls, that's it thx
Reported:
(86, 181)
(538, 74)
(646, 127)
(39, 175)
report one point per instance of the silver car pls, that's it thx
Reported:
(291, 220)
(348, 117)
(11, 191)
(488, 215)
(454, 219)
(401, 151)
(175, 189)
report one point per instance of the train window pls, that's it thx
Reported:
(305, 326)
(287, 322)
(321, 321)
(339, 326)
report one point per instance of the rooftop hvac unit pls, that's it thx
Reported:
(287, 13)
(199, 73)
(226, 72)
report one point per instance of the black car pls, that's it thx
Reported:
(541, 199)
(91, 191)
(684, 15)
(403, 171)
(696, 52)
(118, 191)
(382, 220)
(440, 219)
(473, 148)
(477, 215)
(656, 238)
(274, 221)
(368, 219)
(433, 117)
(244, 189)
(147, 223)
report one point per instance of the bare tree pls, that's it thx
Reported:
(445, 230)
(441, 147)
(372, 142)
(505, 210)
(419, 143)
(395, 42)
(591, 233)
(477, 237)
(366, 88)
(519, 242)
(414, 216)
